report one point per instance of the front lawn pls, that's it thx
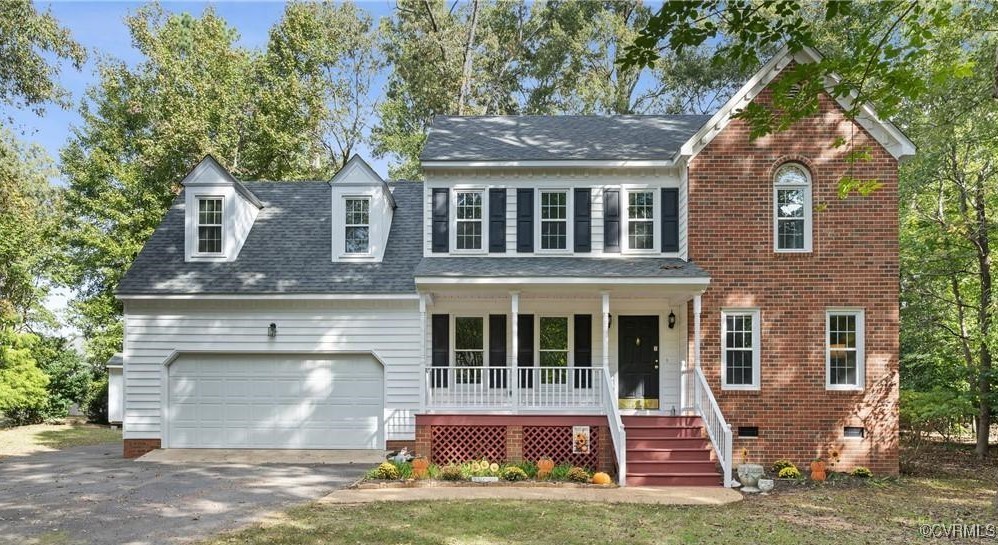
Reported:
(24, 440)
(878, 511)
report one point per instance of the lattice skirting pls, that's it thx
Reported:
(555, 442)
(457, 444)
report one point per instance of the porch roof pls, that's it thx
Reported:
(637, 269)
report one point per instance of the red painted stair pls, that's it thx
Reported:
(669, 451)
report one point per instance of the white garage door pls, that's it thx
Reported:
(268, 401)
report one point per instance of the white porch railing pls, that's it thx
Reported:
(617, 432)
(701, 402)
(516, 389)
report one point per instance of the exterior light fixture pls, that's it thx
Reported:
(672, 319)
(272, 330)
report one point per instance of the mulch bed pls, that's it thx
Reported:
(433, 483)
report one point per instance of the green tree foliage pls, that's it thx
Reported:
(23, 396)
(28, 41)
(69, 376)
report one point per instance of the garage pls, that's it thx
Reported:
(266, 401)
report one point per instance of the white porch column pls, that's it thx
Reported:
(696, 330)
(514, 372)
(424, 389)
(606, 329)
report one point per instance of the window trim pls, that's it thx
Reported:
(625, 220)
(196, 252)
(808, 209)
(539, 221)
(483, 221)
(756, 315)
(860, 315)
(346, 225)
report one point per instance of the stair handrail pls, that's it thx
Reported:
(718, 429)
(617, 432)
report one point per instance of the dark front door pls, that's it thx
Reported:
(637, 342)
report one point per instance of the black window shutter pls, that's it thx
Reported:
(440, 333)
(497, 349)
(497, 220)
(524, 220)
(584, 350)
(583, 220)
(670, 219)
(441, 220)
(611, 220)
(525, 348)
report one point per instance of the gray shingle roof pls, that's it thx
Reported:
(562, 137)
(573, 267)
(288, 250)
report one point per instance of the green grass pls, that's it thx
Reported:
(868, 512)
(25, 440)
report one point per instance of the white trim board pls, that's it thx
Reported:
(274, 296)
(693, 282)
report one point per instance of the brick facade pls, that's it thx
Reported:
(133, 448)
(854, 263)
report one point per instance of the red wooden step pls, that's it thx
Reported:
(684, 467)
(662, 432)
(667, 442)
(669, 455)
(662, 420)
(660, 479)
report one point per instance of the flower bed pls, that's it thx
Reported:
(482, 473)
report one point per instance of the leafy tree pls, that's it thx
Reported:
(22, 383)
(69, 376)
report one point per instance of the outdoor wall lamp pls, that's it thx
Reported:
(272, 330)
(672, 319)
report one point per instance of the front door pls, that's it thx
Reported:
(637, 374)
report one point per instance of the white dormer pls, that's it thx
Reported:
(220, 213)
(363, 207)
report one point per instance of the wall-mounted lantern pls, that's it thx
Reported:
(272, 331)
(672, 319)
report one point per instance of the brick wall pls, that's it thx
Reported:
(133, 448)
(854, 263)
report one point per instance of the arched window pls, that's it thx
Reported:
(792, 209)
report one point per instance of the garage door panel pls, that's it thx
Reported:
(256, 401)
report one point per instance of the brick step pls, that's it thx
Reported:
(667, 442)
(662, 432)
(673, 479)
(662, 420)
(673, 467)
(669, 454)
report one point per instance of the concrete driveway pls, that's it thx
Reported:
(90, 495)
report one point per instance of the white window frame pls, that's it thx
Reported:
(756, 348)
(483, 221)
(570, 349)
(808, 209)
(860, 349)
(656, 223)
(346, 199)
(197, 225)
(539, 222)
(485, 347)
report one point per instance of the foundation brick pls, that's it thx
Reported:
(133, 448)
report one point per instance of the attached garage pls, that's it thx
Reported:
(275, 401)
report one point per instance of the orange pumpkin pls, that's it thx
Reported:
(818, 471)
(420, 467)
(544, 467)
(601, 478)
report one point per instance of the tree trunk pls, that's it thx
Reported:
(985, 316)
(468, 58)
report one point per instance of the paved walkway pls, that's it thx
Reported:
(673, 495)
(263, 456)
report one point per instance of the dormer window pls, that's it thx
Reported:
(358, 226)
(209, 225)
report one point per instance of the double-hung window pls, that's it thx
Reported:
(844, 359)
(469, 219)
(792, 209)
(358, 226)
(740, 349)
(553, 349)
(469, 348)
(554, 220)
(209, 225)
(641, 220)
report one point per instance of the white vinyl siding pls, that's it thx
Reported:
(388, 329)
(740, 349)
(844, 349)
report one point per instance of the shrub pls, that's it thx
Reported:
(862, 472)
(451, 472)
(23, 396)
(513, 473)
(560, 472)
(789, 473)
(578, 475)
(782, 464)
(388, 471)
(529, 468)
(97, 401)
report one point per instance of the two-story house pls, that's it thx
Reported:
(658, 296)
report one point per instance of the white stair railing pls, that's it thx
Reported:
(617, 432)
(704, 405)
